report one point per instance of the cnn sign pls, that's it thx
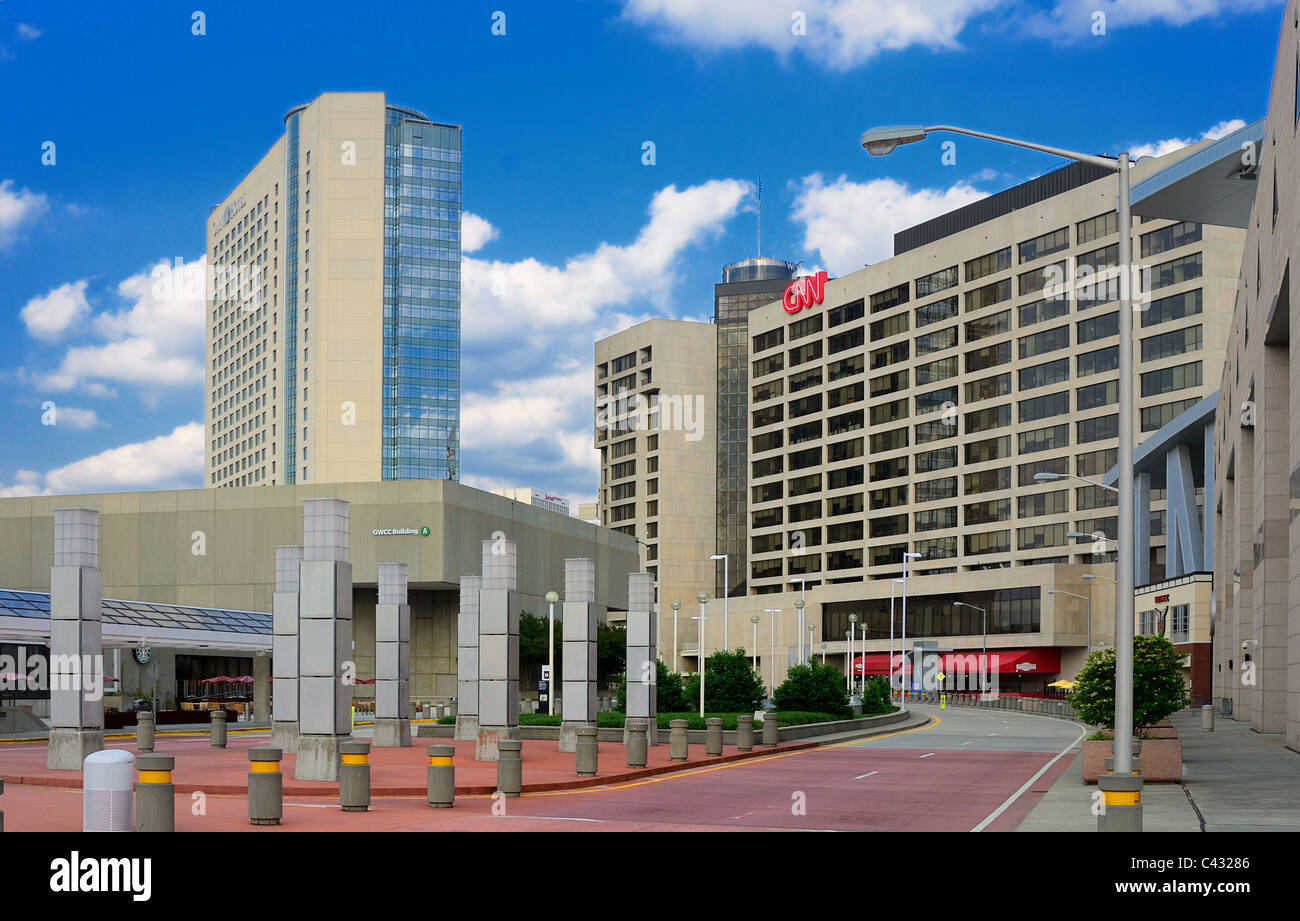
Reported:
(804, 292)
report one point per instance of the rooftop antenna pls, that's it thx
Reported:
(760, 218)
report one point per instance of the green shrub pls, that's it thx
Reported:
(875, 697)
(730, 683)
(813, 687)
(1158, 686)
(446, 721)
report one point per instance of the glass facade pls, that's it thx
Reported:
(421, 390)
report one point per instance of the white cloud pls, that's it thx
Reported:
(838, 33)
(75, 418)
(50, 316)
(1074, 20)
(172, 461)
(17, 207)
(1160, 148)
(29, 32)
(475, 232)
(851, 224)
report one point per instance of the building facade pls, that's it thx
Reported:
(353, 214)
(537, 497)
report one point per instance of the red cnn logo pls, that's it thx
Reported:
(804, 292)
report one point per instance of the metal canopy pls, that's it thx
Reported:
(1215, 185)
(1187, 428)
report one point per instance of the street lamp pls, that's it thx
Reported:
(984, 664)
(1047, 477)
(889, 668)
(1087, 598)
(753, 619)
(1090, 576)
(702, 597)
(771, 665)
(677, 606)
(811, 628)
(848, 656)
(799, 607)
(823, 653)
(903, 641)
(551, 598)
(726, 593)
(880, 141)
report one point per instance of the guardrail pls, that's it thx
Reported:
(1039, 706)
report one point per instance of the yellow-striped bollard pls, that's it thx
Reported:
(442, 776)
(265, 786)
(354, 776)
(155, 796)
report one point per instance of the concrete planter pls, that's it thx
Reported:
(1162, 732)
(1095, 753)
(1162, 760)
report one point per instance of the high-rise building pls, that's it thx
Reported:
(745, 285)
(537, 497)
(333, 335)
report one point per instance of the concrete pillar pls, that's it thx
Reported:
(642, 655)
(499, 606)
(713, 736)
(467, 659)
(265, 786)
(1207, 718)
(262, 686)
(586, 751)
(354, 775)
(217, 733)
(442, 776)
(76, 672)
(144, 731)
(510, 767)
(744, 733)
(392, 659)
(678, 746)
(579, 649)
(325, 639)
(284, 649)
(155, 795)
(636, 742)
(1142, 529)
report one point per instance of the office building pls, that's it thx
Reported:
(333, 334)
(537, 497)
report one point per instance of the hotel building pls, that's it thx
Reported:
(333, 334)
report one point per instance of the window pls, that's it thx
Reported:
(1041, 311)
(891, 440)
(1042, 535)
(1094, 395)
(936, 490)
(938, 340)
(801, 486)
(852, 476)
(989, 542)
(936, 312)
(977, 452)
(768, 467)
(1106, 359)
(1047, 341)
(1097, 429)
(805, 405)
(808, 457)
(935, 400)
(890, 326)
(987, 265)
(852, 531)
(1174, 307)
(848, 504)
(853, 338)
(766, 366)
(1175, 271)
(1101, 327)
(618, 471)
(936, 371)
(987, 481)
(889, 469)
(845, 367)
(1051, 276)
(889, 298)
(1091, 497)
(843, 396)
(844, 450)
(768, 390)
(1169, 379)
(808, 431)
(806, 327)
(809, 351)
(938, 459)
(768, 492)
(1177, 342)
(1153, 417)
(889, 412)
(1025, 472)
(1044, 503)
(988, 357)
(991, 325)
(937, 548)
(846, 313)
(934, 430)
(935, 282)
(768, 415)
(934, 518)
(989, 387)
(890, 354)
(888, 497)
(1096, 463)
(1045, 439)
(987, 512)
(1095, 228)
(770, 339)
(1045, 245)
(768, 442)
(847, 422)
(982, 420)
(1172, 237)
(889, 383)
(1051, 404)
(988, 295)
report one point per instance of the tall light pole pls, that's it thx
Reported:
(551, 598)
(848, 643)
(848, 656)
(702, 597)
(726, 592)
(889, 670)
(903, 641)
(823, 653)
(771, 665)
(677, 606)
(799, 607)
(753, 619)
(1087, 598)
(984, 651)
(811, 628)
(880, 141)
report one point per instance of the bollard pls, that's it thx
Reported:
(677, 746)
(770, 729)
(2, 815)
(265, 786)
(354, 776)
(1122, 795)
(744, 733)
(510, 767)
(586, 751)
(713, 736)
(155, 795)
(442, 776)
(1207, 718)
(218, 728)
(144, 727)
(636, 744)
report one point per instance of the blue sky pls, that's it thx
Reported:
(152, 125)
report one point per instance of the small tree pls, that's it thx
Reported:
(670, 692)
(876, 698)
(813, 688)
(533, 648)
(730, 684)
(1158, 686)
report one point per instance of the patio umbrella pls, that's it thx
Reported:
(1063, 683)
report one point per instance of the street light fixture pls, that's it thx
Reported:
(551, 598)
(1090, 576)
(702, 597)
(1046, 477)
(880, 141)
(771, 665)
(889, 668)
(1087, 598)
(726, 593)
(798, 605)
(984, 665)
(848, 655)
(677, 606)
(753, 619)
(903, 640)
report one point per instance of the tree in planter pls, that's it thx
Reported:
(730, 684)
(1158, 686)
(814, 688)
(670, 692)
(875, 697)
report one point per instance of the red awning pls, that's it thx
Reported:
(1036, 660)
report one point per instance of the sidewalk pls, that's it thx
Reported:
(1234, 779)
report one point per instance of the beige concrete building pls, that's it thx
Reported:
(655, 393)
(334, 310)
(537, 497)
(216, 548)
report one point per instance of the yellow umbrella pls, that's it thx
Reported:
(1061, 684)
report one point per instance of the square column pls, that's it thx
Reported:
(467, 659)
(392, 659)
(284, 649)
(579, 650)
(642, 654)
(325, 639)
(499, 606)
(1141, 529)
(76, 671)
